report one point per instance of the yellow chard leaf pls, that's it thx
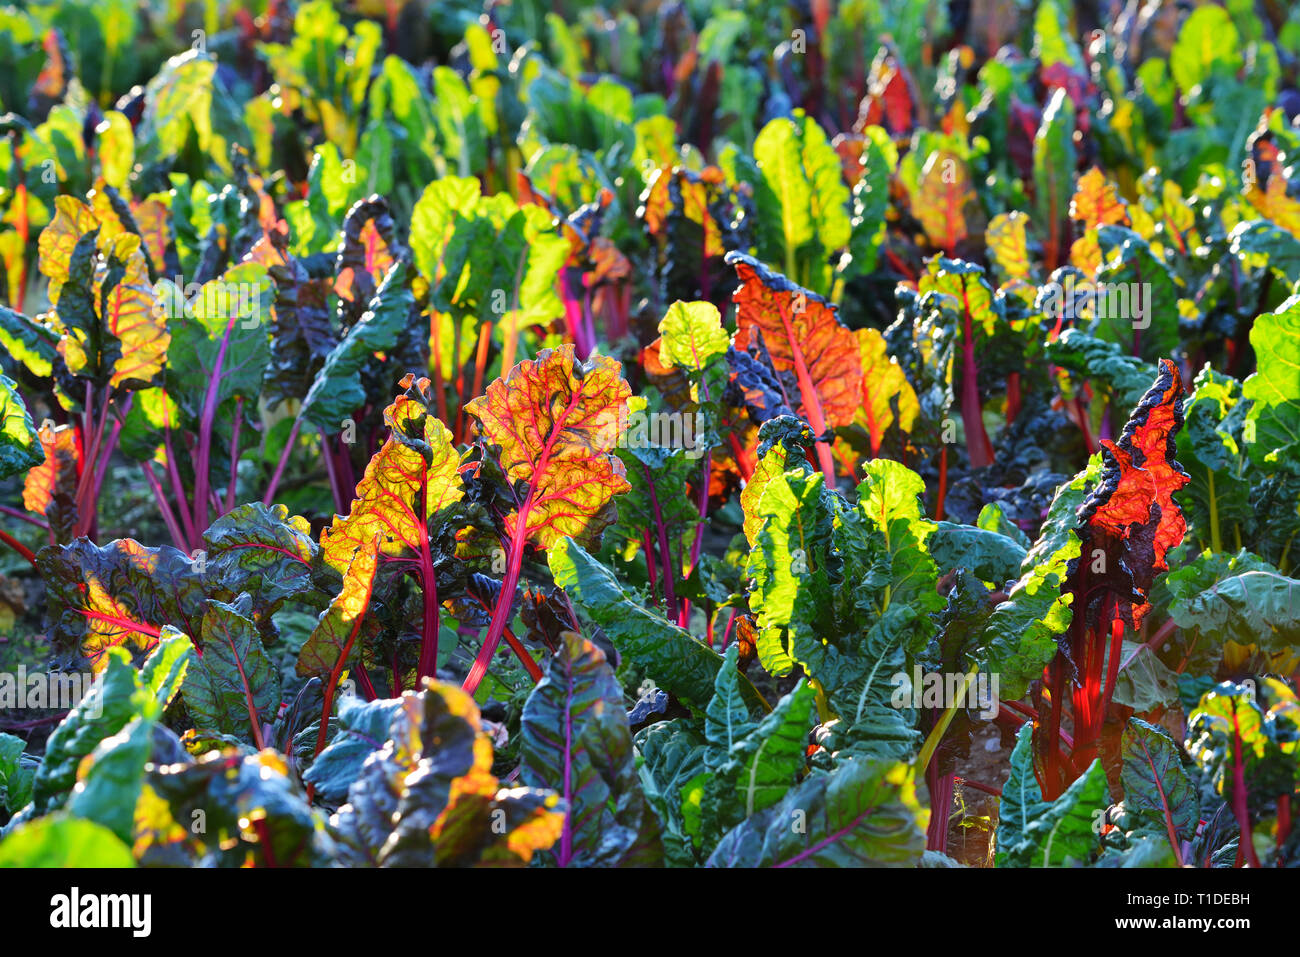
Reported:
(72, 220)
(129, 313)
(114, 295)
(883, 381)
(1276, 203)
(411, 477)
(326, 651)
(1007, 244)
(154, 220)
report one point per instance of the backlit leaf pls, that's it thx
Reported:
(556, 422)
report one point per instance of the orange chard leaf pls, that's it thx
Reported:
(1275, 202)
(803, 334)
(556, 423)
(1131, 515)
(1127, 525)
(1095, 203)
(941, 199)
(50, 489)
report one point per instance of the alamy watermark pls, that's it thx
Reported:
(1074, 299)
(62, 690)
(75, 910)
(942, 690)
(645, 430)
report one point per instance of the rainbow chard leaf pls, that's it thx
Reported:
(555, 422)
(1126, 527)
(944, 193)
(428, 798)
(1272, 428)
(843, 592)
(111, 778)
(17, 770)
(50, 488)
(119, 595)
(1218, 597)
(20, 447)
(1008, 246)
(264, 552)
(407, 483)
(793, 594)
(888, 400)
(991, 556)
(576, 742)
(233, 688)
(1131, 516)
(28, 341)
(105, 310)
(408, 480)
(368, 250)
(332, 641)
(864, 814)
(750, 765)
(879, 158)
(60, 841)
(1095, 203)
(959, 299)
(1217, 499)
(802, 335)
(302, 331)
(485, 255)
(1053, 163)
(1244, 739)
(803, 203)
(691, 217)
(552, 425)
(1156, 784)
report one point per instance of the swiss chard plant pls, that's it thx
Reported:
(841, 434)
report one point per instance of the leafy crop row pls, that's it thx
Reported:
(844, 433)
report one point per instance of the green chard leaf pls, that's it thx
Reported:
(1037, 833)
